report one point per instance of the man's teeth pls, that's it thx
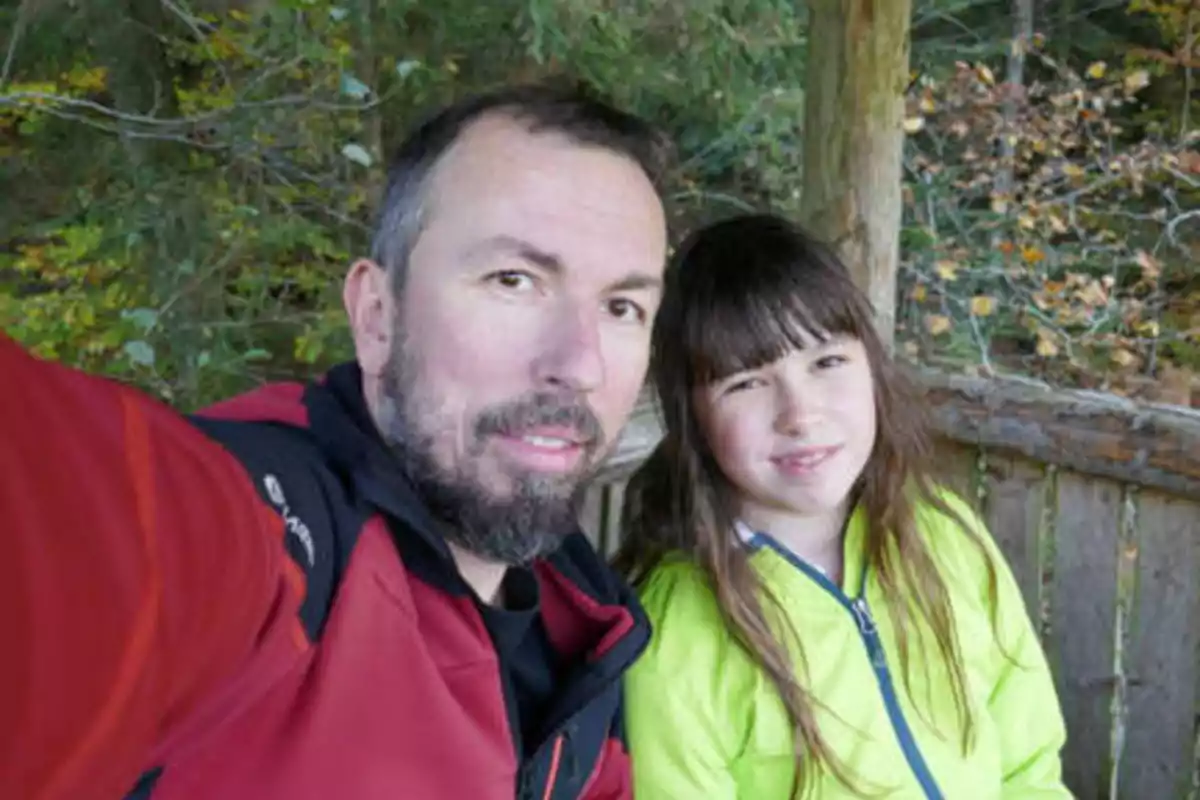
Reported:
(549, 442)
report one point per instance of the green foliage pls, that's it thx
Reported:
(196, 242)
(187, 182)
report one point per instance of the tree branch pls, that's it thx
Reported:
(18, 31)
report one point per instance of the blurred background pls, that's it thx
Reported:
(185, 181)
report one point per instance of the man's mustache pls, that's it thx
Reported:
(539, 410)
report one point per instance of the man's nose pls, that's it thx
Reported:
(571, 356)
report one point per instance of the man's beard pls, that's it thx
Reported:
(538, 510)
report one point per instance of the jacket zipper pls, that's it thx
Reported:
(869, 634)
(555, 761)
(525, 777)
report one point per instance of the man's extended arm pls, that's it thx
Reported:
(138, 570)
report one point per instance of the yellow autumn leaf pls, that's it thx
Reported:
(947, 270)
(1093, 294)
(1137, 80)
(919, 293)
(985, 75)
(913, 124)
(1073, 171)
(999, 204)
(1097, 70)
(1149, 328)
(927, 105)
(1032, 254)
(982, 305)
(1057, 224)
(1026, 221)
(1123, 357)
(1045, 344)
(937, 324)
(87, 80)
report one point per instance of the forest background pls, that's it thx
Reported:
(184, 182)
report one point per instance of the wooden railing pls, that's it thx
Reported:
(1095, 502)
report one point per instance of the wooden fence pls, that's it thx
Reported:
(1096, 503)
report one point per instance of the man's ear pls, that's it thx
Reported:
(367, 297)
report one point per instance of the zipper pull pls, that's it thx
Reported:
(870, 634)
(862, 616)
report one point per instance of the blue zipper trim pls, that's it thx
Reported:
(861, 612)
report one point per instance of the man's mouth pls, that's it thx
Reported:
(548, 442)
(555, 450)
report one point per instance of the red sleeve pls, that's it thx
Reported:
(138, 569)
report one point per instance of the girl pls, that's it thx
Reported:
(828, 623)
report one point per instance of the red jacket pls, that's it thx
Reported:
(246, 606)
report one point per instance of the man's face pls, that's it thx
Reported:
(522, 334)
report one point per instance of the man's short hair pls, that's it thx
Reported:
(568, 109)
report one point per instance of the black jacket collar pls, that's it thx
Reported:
(346, 433)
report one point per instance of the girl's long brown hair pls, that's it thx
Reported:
(738, 294)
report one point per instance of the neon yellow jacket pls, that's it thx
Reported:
(705, 722)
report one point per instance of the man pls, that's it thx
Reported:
(372, 586)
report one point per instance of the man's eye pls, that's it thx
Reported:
(625, 309)
(513, 280)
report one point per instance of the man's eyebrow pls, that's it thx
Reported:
(521, 248)
(637, 281)
(553, 263)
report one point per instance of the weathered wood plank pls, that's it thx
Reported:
(1015, 502)
(1164, 652)
(1083, 614)
(957, 469)
(1093, 433)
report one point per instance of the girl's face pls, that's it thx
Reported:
(794, 435)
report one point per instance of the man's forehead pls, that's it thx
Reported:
(503, 185)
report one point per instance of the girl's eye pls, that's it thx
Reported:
(625, 309)
(743, 384)
(830, 361)
(512, 279)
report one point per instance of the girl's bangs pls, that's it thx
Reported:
(759, 315)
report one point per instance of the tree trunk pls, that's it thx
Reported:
(1014, 90)
(854, 138)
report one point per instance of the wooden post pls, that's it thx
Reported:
(854, 138)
